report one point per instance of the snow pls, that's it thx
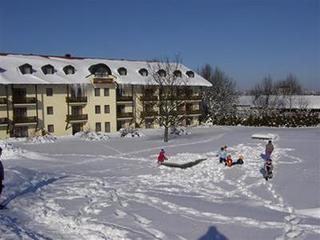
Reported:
(75, 189)
(12, 75)
(265, 136)
(93, 136)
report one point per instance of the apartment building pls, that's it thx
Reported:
(64, 95)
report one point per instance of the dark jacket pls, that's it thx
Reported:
(1, 171)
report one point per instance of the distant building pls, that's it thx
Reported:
(283, 103)
(65, 95)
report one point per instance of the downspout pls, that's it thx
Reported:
(7, 96)
(37, 111)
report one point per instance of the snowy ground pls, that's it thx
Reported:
(78, 189)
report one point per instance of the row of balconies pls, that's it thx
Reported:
(84, 100)
(84, 117)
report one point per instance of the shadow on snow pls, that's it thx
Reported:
(213, 234)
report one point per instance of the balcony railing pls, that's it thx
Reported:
(124, 98)
(78, 117)
(3, 100)
(17, 119)
(24, 100)
(150, 113)
(76, 99)
(124, 115)
(4, 121)
(193, 111)
(149, 98)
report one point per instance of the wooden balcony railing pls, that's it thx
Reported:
(124, 98)
(124, 115)
(17, 119)
(24, 100)
(3, 100)
(4, 121)
(76, 99)
(150, 113)
(149, 98)
(78, 117)
(193, 111)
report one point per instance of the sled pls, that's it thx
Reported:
(262, 136)
(183, 165)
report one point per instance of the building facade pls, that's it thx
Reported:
(65, 95)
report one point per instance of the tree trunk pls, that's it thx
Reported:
(166, 134)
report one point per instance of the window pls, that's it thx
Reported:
(122, 71)
(106, 108)
(50, 128)
(100, 70)
(26, 69)
(69, 70)
(106, 92)
(190, 74)
(97, 109)
(177, 73)
(143, 72)
(50, 110)
(98, 127)
(107, 126)
(47, 69)
(97, 92)
(49, 92)
(162, 73)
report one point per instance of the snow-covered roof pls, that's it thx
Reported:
(11, 74)
(297, 101)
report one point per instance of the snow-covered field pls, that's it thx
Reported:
(74, 188)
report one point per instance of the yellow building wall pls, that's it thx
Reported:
(101, 100)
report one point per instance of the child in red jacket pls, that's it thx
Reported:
(161, 157)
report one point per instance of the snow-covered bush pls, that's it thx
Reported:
(9, 151)
(130, 132)
(179, 131)
(48, 138)
(92, 136)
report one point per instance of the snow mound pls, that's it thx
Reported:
(265, 136)
(9, 151)
(179, 131)
(130, 133)
(93, 136)
(42, 139)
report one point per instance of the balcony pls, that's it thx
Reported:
(194, 98)
(124, 98)
(77, 118)
(193, 112)
(3, 101)
(149, 114)
(102, 78)
(17, 120)
(24, 100)
(146, 98)
(77, 100)
(124, 115)
(4, 121)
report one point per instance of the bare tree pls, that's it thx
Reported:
(168, 79)
(220, 99)
(288, 89)
(264, 94)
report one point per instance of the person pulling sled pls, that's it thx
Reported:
(268, 168)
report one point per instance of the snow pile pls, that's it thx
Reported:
(179, 131)
(93, 136)
(265, 136)
(48, 138)
(130, 133)
(9, 151)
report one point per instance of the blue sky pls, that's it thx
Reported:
(248, 39)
